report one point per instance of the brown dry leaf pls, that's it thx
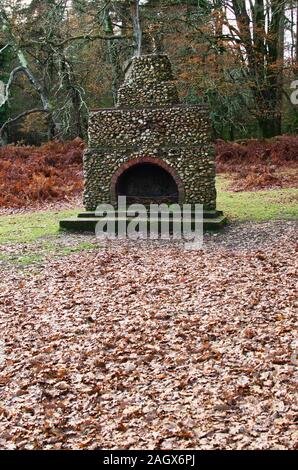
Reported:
(145, 345)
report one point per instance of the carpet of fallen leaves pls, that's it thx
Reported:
(147, 345)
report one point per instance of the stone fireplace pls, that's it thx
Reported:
(146, 180)
(149, 148)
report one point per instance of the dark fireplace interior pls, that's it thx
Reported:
(147, 183)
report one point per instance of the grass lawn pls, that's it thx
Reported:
(28, 227)
(36, 235)
(33, 236)
(258, 206)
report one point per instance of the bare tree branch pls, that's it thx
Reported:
(17, 118)
(33, 81)
(82, 37)
(4, 48)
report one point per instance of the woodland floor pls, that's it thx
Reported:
(146, 345)
(122, 345)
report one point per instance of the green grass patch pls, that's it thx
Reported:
(32, 237)
(258, 206)
(29, 227)
(26, 260)
(39, 252)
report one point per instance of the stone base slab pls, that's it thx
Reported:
(86, 222)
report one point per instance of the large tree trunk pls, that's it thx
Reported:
(23, 69)
(275, 64)
(269, 108)
(265, 57)
(114, 58)
(270, 126)
(296, 35)
(78, 116)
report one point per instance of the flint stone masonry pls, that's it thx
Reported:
(148, 82)
(149, 126)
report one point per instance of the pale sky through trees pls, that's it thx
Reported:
(230, 16)
(49, 36)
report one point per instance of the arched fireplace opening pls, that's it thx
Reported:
(147, 183)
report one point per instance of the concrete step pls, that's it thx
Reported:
(88, 224)
(207, 214)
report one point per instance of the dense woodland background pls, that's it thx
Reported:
(61, 58)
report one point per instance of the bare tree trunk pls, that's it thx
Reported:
(44, 99)
(137, 28)
(25, 70)
(297, 34)
(78, 117)
(113, 55)
(15, 119)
